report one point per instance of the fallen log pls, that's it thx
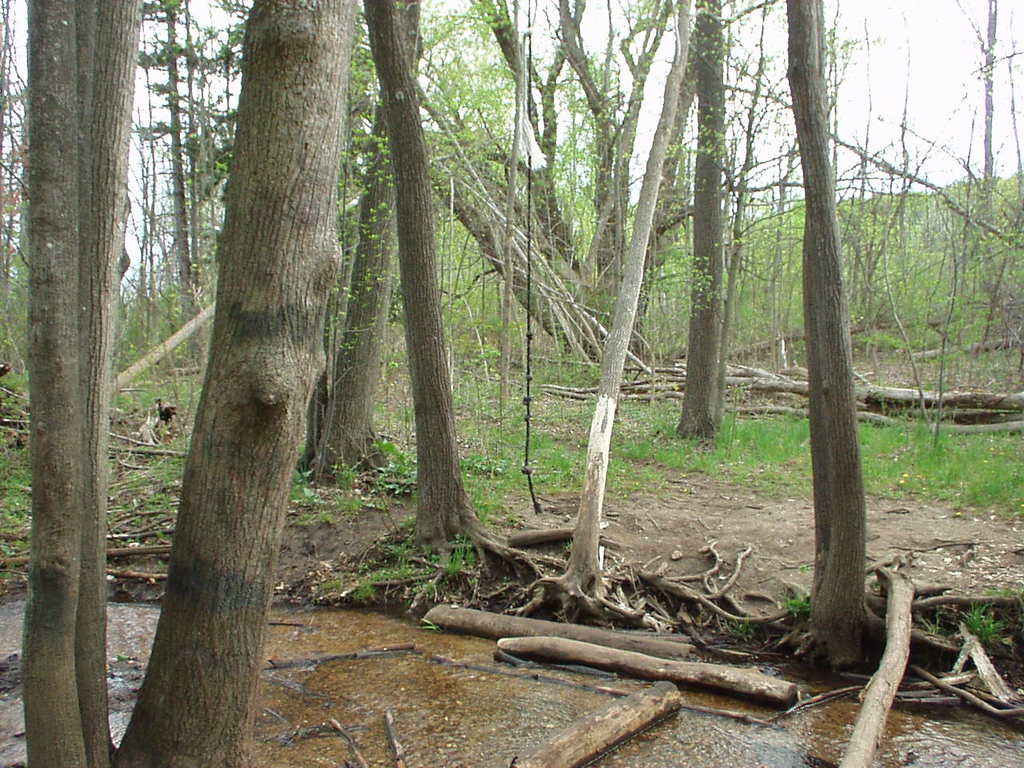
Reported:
(588, 739)
(733, 680)
(535, 537)
(879, 695)
(966, 696)
(496, 626)
(972, 349)
(165, 347)
(986, 669)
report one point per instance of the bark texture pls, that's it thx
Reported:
(108, 42)
(700, 413)
(52, 720)
(443, 508)
(82, 60)
(583, 574)
(348, 433)
(277, 262)
(837, 599)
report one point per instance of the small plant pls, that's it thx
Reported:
(982, 624)
(365, 592)
(798, 606)
(302, 491)
(462, 556)
(397, 476)
(742, 630)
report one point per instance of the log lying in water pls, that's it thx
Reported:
(587, 739)
(881, 691)
(496, 626)
(733, 680)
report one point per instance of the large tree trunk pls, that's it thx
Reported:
(180, 227)
(52, 719)
(277, 261)
(837, 599)
(348, 434)
(443, 507)
(108, 41)
(700, 412)
(582, 581)
(82, 60)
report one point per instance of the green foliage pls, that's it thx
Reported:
(462, 557)
(798, 606)
(744, 631)
(16, 498)
(981, 623)
(397, 476)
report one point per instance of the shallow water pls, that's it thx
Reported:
(471, 711)
(454, 716)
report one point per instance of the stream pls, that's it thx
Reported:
(454, 706)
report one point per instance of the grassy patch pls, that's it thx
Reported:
(16, 498)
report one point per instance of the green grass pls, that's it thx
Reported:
(770, 455)
(982, 624)
(15, 502)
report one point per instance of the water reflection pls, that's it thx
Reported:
(458, 716)
(471, 712)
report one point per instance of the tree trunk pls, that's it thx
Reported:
(700, 412)
(583, 574)
(837, 599)
(277, 261)
(52, 718)
(108, 41)
(443, 508)
(180, 248)
(82, 60)
(348, 434)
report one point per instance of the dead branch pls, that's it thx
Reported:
(986, 669)
(967, 696)
(814, 701)
(966, 601)
(537, 536)
(396, 746)
(742, 682)
(497, 626)
(972, 349)
(155, 549)
(586, 740)
(162, 349)
(151, 577)
(360, 760)
(880, 692)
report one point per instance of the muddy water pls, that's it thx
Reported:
(450, 715)
(453, 706)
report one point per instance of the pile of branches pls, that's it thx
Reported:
(961, 411)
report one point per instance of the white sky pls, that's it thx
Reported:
(928, 44)
(931, 45)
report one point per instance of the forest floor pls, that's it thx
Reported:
(353, 546)
(970, 554)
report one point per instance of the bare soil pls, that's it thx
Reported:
(940, 546)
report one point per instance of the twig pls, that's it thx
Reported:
(815, 701)
(396, 747)
(967, 696)
(137, 575)
(351, 743)
(735, 574)
(149, 451)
